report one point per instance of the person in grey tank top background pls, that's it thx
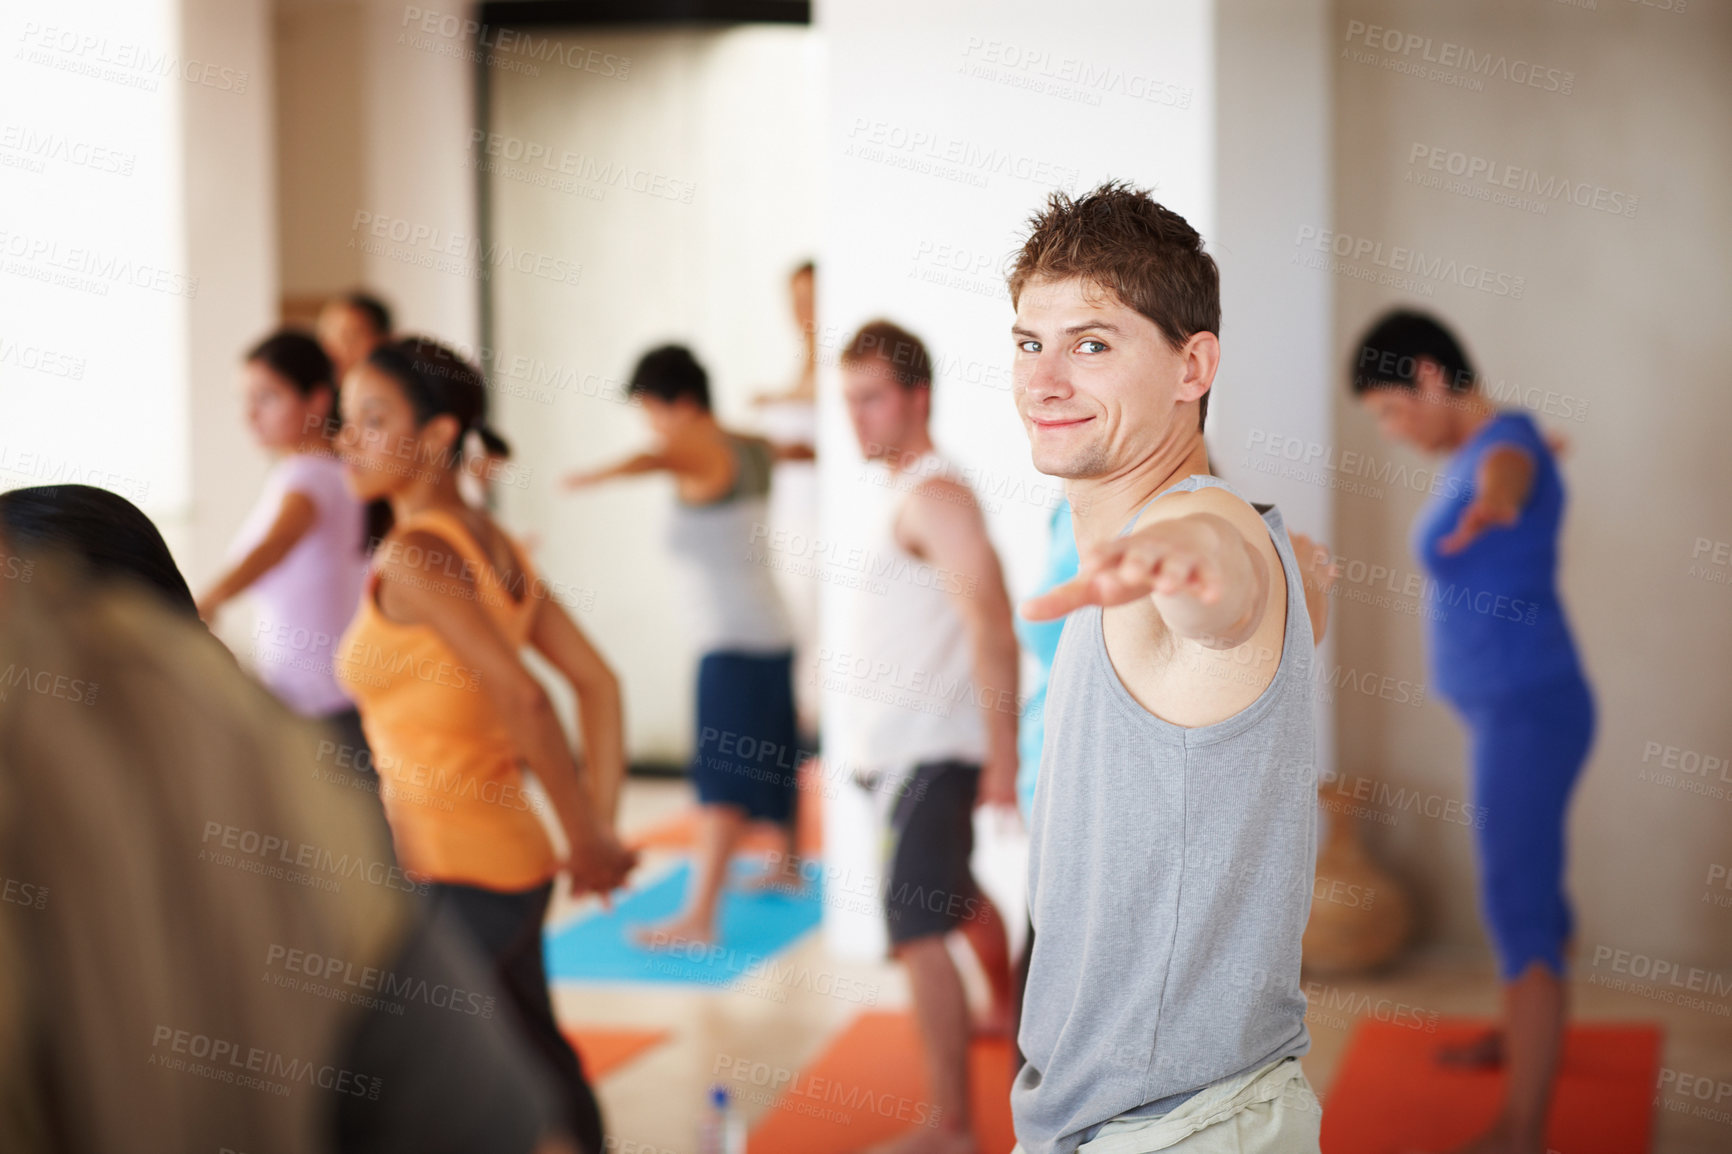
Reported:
(930, 673)
(1173, 840)
(747, 745)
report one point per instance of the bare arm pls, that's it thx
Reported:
(630, 467)
(943, 524)
(448, 605)
(1502, 485)
(600, 712)
(1208, 582)
(295, 518)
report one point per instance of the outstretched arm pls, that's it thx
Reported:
(630, 467)
(1207, 581)
(1501, 487)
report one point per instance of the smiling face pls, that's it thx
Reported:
(382, 448)
(1097, 385)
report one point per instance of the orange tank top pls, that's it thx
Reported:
(448, 769)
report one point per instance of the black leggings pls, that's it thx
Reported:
(506, 927)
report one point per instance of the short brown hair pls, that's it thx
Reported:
(1119, 239)
(898, 348)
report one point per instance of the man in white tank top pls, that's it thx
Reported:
(930, 678)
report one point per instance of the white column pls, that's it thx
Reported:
(948, 126)
(1273, 160)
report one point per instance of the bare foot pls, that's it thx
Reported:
(676, 933)
(929, 1140)
(783, 877)
(1484, 1052)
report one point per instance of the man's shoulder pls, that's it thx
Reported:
(936, 484)
(1205, 498)
(942, 489)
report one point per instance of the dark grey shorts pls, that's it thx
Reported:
(930, 889)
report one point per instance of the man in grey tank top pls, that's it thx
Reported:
(1174, 827)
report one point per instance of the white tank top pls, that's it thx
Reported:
(907, 673)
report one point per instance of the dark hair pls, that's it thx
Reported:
(1387, 356)
(494, 444)
(807, 267)
(298, 358)
(903, 352)
(1118, 238)
(670, 373)
(377, 312)
(435, 380)
(109, 534)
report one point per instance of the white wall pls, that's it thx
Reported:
(939, 147)
(416, 113)
(1618, 341)
(95, 285)
(231, 221)
(374, 109)
(1273, 172)
(321, 54)
(140, 138)
(686, 196)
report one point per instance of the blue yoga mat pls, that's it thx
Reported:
(754, 927)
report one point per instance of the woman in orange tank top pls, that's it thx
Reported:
(450, 709)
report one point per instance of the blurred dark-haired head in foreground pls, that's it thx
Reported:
(205, 942)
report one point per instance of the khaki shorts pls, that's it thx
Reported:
(1271, 1110)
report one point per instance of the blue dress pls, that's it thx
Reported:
(1501, 653)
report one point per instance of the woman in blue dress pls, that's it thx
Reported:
(1501, 653)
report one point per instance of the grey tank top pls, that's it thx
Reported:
(1170, 875)
(735, 606)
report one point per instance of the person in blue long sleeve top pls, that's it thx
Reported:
(1501, 653)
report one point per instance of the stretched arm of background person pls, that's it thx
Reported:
(1195, 557)
(630, 467)
(449, 606)
(295, 518)
(600, 712)
(1501, 487)
(944, 525)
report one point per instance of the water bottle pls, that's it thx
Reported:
(724, 1129)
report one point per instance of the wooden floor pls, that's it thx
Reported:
(762, 1037)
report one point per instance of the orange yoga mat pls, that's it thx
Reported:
(1391, 1097)
(604, 1050)
(870, 1085)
